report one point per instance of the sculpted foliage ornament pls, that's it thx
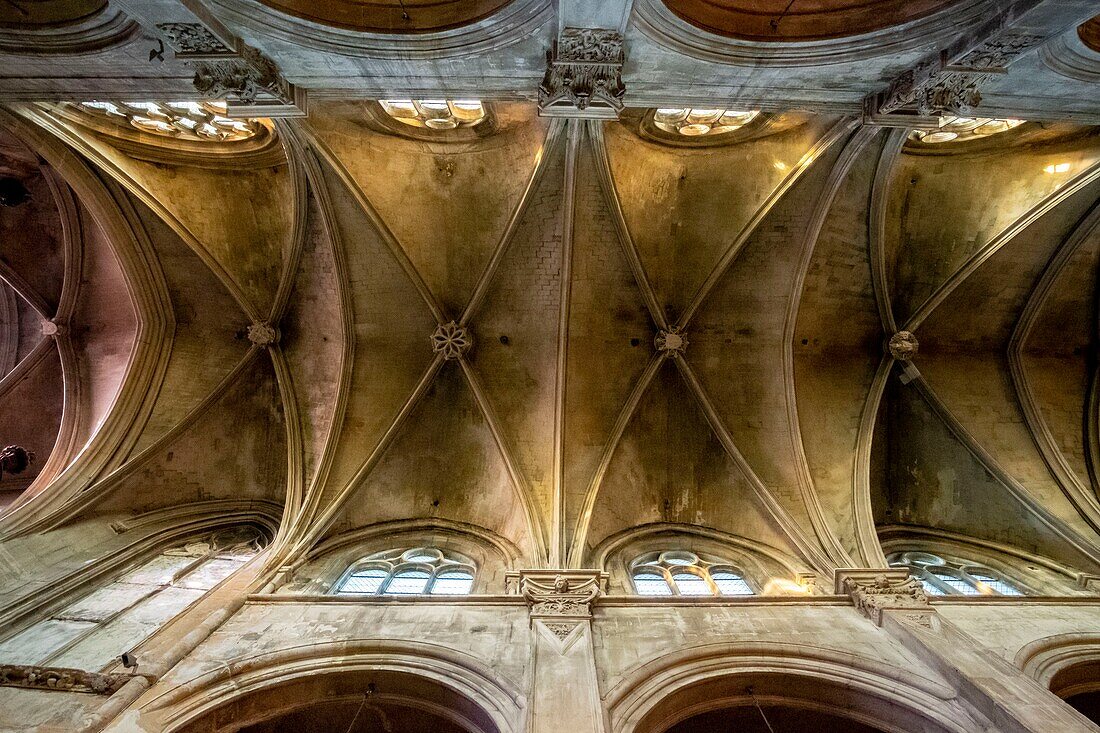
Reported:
(245, 77)
(193, 39)
(903, 346)
(451, 340)
(263, 334)
(584, 75)
(671, 342)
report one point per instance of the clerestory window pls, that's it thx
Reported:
(419, 571)
(90, 633)
(681, 573)
(941, 577)
(436, 114)
(206, 120)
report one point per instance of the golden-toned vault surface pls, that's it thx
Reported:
(641, 366)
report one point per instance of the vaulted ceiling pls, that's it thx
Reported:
(664, 336)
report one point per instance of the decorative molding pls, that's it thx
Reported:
(451, 340)
(584, 75)
(513, 23)
(194, 40)
(655, 22)
(1068, 56)
(559, 595)
(104, 30)
(60, 679)
(876, 590)
(670, 342)
(903, 346)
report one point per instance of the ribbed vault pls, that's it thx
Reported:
(638, 335)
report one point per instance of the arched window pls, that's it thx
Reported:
(415, 572)
(676, 572)
(436, 114)
(205, 120)
(92, 632)
(942, 577)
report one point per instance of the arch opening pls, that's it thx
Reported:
(358, 700)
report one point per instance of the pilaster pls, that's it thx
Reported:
(565, 693)
(1014, 702)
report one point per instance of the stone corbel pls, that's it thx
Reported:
(877, 590)
(938, 86)
(559, 600)
(228, 68)
(584, 75)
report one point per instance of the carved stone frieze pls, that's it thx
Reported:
(193, 39)
(670, 342)
(903, 346)
(584, 75)
(452, 340)
(246, 78)
(61, 679)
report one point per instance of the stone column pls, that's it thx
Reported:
(1011, 700)
(565, 695)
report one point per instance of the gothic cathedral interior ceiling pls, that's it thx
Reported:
(520, 366)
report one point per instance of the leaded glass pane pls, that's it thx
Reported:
(957, 584)
(453, 583)
(364, 582)
(690, 584)
(998, 585)
(930, 588)
(651, 584)
(408, 583)
(730, 584)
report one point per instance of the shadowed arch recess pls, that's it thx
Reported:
(807, 20)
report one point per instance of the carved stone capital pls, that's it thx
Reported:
(670, 342)
(263, 334)
(903, 346)
(936, 87)
(584, 75)
(451, 340)
(876, 590)
(559, 595)
(249, 78)
(60, 678)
